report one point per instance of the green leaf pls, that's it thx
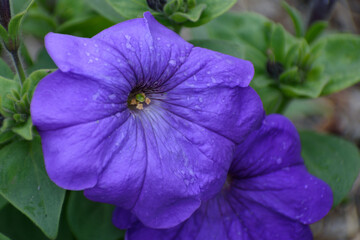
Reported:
(296, 19)
(3, 237)
(105, 10)
(6, 85)
(17, 226)
(315, 31)
(18, 6)
(271, 97)
(25, 184)
(313, 85)
(5, 70)
(39, 23)
(226, 47)
(214, 8)
(70, 9)
(278, 42)
(334, 160)
(32, 81)
(24, 130)
(3, 202)
(15, 22)
(80, 26)
(6, 136)
(192, 15)
(90, 220)
(4, 34)
(43, 61)
(129, 8)
(340, 58)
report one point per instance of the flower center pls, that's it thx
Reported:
(228, 182)
(138, 100)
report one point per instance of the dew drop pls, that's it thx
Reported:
(200, 100)
(208, 72)
(112, 96)
(306, 186)
(172, 62)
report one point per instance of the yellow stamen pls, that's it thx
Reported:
(147, 101)
(140, 106)
(133, 101)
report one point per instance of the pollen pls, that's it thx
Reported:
(133, 101)
(140, 106)
(138, 100)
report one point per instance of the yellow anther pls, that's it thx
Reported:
(133, 101)
(140, 106)
(147, 101)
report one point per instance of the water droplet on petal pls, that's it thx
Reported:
(172, 62)
(112, 96)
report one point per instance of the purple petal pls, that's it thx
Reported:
(228, 219)
(123, 219)
(275, 146)
(229, 112)
(63, 100)
(180, 163)
(266, 203)
(292, 192)
(153, 51)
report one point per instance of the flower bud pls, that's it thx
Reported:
(5, 14)
(274, 69)
(321, 10)
(156, 5)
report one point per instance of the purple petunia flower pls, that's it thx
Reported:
(139, 118)
(268, 195)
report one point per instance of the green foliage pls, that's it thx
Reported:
(296, 19)
(332, 159)
(17, 226)
(15, 105)
(3, 202)
(5, 70)
(304, 67)
(11, 37)
(315, 30)
(176, 12)
(3, 237)
(129, 8)
(340, 57)
(26, 185)
(90, 220)
(105, 10)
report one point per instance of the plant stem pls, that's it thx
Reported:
(18, 65)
